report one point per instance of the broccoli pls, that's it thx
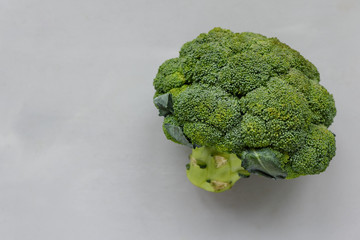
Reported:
(246, 104)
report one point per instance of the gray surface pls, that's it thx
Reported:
(82, 155)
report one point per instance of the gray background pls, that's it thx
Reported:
(81, 147)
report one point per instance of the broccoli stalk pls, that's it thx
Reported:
(214, 171)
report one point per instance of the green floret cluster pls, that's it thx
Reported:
(249, 97)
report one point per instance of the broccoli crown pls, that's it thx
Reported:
(249, 95)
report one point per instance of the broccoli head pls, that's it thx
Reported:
(246, 104)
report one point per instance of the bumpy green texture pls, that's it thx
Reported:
(248, 95)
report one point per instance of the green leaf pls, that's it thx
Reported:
(177, 133)
(165, 104)
(265, 162)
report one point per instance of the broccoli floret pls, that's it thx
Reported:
(247, 97)
(170, 76)
(314, 156)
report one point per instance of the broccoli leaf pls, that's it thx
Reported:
(265, 162)
(177, 133)
(165, 104)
